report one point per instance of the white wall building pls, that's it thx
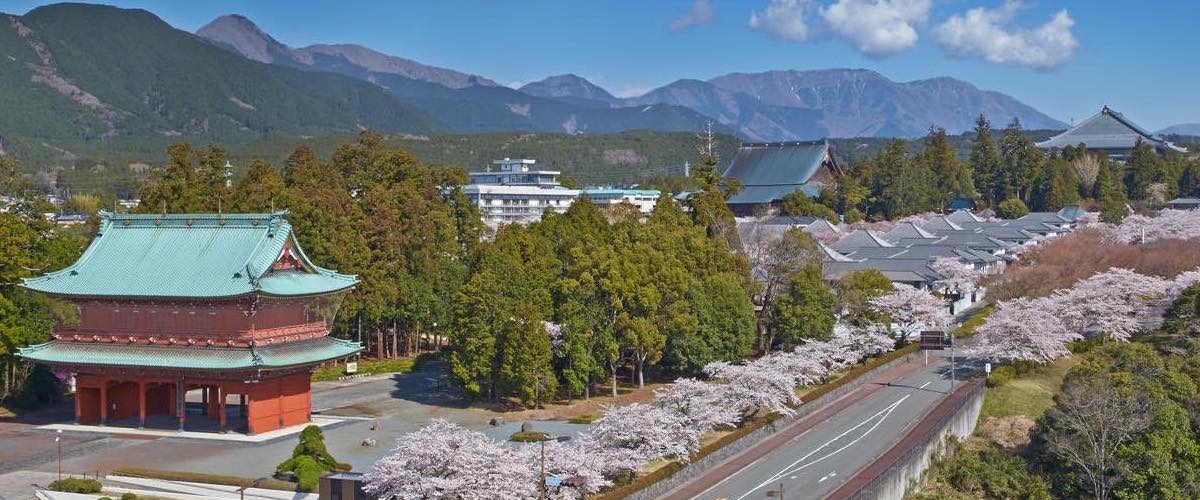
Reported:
(513, 191)
(643, 199)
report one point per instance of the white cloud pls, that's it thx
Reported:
(783, 19)
(701, 14)
(877, 28)
(983, 34)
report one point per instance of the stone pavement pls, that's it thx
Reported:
(151, 433)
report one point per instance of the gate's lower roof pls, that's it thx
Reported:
(306, 352)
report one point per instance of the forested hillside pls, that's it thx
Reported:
(87, 79)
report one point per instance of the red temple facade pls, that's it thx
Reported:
(225, 307)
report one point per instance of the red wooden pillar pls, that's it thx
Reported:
(180, 403)
(221, 408)
(103, 401)
(204, 399)
(141, 403)
(78, 404)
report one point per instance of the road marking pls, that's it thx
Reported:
(925, 384)
(793, 468)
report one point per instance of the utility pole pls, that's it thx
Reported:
(776, 493)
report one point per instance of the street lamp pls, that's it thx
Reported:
(58, 441)
(253, 484)
(542, 490)
(776, 493)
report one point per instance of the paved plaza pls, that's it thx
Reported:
(393, 404)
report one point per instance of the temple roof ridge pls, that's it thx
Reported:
(191, 256)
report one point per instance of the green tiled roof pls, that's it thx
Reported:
(190, 255)
(305, 352)
(769, 171)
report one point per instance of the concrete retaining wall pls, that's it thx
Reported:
(922, 446)
(698, 467)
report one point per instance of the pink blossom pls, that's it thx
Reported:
(912, 311)
(444, 460)
(1025, 329)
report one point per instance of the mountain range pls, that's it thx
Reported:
(79, 77)
(774, 105)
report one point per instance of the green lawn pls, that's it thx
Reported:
(1029, 394)
(365, 366)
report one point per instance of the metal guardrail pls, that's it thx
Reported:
(866, 485)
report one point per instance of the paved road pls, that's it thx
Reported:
(836, 443)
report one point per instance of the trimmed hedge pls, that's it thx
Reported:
(528, 437)
(76, 485)
(129, 496)
(584, 419)
(197, 477)
(967, 329)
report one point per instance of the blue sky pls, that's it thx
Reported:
(1065, 58)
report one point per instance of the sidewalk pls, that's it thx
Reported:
(317, 420)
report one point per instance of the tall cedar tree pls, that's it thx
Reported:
(953, 178)
(985, 163)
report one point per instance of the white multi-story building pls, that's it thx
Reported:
(643, 199)
(513, 191)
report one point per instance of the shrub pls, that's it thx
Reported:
(76, 485)
(584, 419)
(528, 437)
(129, 496)
(1001, 375)
(104, 498)
(308, 472)
(312, 448)
(1012, 208)
(990, 472)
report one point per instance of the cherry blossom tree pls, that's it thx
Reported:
(957, 274)
(1168, 224)
(1119, 302)
(640, 433)
(1024, 329)
(444, 460)
(753, 387)
(912, 310)
(700, 404)
(1181, 282)
(567, 460)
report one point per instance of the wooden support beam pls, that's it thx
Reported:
(141, 404)
(221, 408)
(180, 403)
(103, 401)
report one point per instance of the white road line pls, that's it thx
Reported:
(792, 467)
(925, 384)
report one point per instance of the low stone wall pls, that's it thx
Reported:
(890, 476)
(694, 469)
